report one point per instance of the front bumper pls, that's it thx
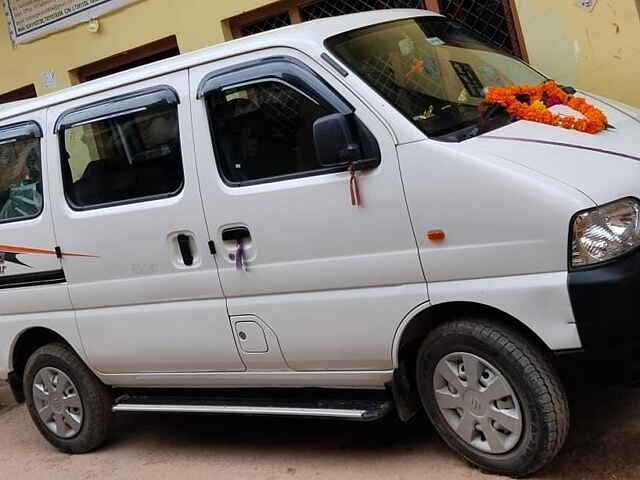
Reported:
(606, 307)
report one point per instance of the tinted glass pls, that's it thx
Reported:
(128, 158)
(20, 180)
(431, 69)
(264, 130)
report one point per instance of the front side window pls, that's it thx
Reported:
(432, 70)
(264, 131)
(20, 179)
(132, 157)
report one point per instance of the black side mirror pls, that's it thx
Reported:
(334, 141)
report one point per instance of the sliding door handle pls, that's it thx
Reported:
(184, 245)
(236, 234)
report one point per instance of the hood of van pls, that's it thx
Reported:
(605, 166)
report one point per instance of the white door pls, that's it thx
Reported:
(332, 280)
(31, 275)
(147, 294)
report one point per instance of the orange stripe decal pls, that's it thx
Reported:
(40, 251)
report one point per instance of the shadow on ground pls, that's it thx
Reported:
(603, 442)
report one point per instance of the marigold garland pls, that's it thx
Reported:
(533, 102)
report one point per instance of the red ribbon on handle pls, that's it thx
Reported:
(354, 188)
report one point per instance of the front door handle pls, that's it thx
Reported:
(184, 244)
(238, 238)
(236, 234)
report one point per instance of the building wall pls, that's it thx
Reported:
(598, 51)
(196, 23)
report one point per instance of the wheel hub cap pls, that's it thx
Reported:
(475, 403)
(57, 402)
(478, 403)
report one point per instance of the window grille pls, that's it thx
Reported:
(269, 23)
(331, 8)
(492, 20)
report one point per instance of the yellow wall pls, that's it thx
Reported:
(196, 23)
(598, 51)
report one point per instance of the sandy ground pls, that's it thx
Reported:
(603, 445)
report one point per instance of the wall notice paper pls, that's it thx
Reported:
(31, 19)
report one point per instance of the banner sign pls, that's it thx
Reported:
(31, 19)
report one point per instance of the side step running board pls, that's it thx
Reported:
(230, 409)
(348, 409)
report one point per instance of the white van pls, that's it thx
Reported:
(303, 223)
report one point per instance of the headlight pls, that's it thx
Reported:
(605, 233)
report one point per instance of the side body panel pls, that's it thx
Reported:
(41, 305)
(139, 308)
(254, 379)
(26, 245)
(506, 232)
(333, 281)
(540, 301)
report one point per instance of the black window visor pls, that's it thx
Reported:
(19, 132)
(121, 105)
(285, 69)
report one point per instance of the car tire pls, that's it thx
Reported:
(70, 407)
(473, 374)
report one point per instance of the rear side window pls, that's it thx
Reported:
(264, 131)
(131, 157)
(20, 177)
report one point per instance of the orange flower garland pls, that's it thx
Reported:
(531, 103)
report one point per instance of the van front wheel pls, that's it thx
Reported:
(493, 396)
(68, 404)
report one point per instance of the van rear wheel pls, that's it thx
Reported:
(70, 407)
(493, 396)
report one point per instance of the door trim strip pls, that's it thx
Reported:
(33, 279)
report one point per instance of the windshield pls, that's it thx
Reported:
(433, 70)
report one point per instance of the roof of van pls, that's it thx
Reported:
(14, 104)
(310, 34)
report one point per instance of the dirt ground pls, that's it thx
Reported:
(603, 445)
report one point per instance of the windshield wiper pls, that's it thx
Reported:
(568, 89)
(485, 123)
(490, 119)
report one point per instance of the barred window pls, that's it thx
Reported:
(492, 20)
(332, 8)
(269, 23)
(295, 11)
(495, 21)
